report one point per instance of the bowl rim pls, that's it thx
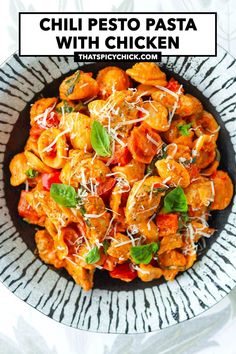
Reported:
(115, 332)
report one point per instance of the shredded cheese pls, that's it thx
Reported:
(140, 269)
(94, 216)
(132, 201)
(49, 147)
(165, 89)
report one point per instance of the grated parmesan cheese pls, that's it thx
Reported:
(49, 147)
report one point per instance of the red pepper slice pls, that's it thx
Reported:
(124, 272)
(49, 178)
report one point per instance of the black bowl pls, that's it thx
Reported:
(20, 134)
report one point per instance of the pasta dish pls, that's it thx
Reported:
(120, 174)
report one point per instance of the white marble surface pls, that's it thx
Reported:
(26, 331)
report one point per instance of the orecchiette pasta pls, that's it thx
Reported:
(79, 127)
(52, 148)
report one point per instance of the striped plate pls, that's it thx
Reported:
(112, 306)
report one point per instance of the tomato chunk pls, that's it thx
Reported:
(104, 188)
(167, 224)
(173, 85)
(124, 272)
(122, 156)
(49, 178)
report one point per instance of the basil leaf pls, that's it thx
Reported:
(72, 82)
(31, 173)
(105, 246)
(143, 254)
(100, 139)
(175, 201)
(93, 256)
(184, 129)
(64, 195)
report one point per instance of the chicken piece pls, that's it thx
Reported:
(18, 166)
(120, 247)
(143, 199)
(46, 249)
(157, 116)
(223, 190)
(147, 272)
(173, 172)
(200, 193)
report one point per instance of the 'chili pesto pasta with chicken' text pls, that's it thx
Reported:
(121, 173)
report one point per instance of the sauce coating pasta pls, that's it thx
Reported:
(121, 174)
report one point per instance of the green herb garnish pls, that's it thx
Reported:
(143, 254)
(184, 129)
(105, 246)
(159, 190)
(72, 82)
(93, 256)
(65, 108)
(82, 208)
(64, 195)
(31, 173)
(175, 201)
(100, 139)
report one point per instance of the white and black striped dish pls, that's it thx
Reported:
(113, 306)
